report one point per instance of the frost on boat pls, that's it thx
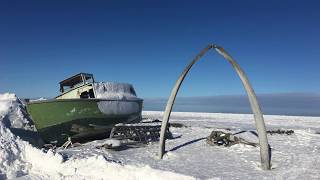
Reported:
(112, 90)
(84, 108)
(116, 91)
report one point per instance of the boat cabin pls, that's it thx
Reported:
(77, 86)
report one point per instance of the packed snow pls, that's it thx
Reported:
(188, 156)
(119, 107)
(113, 90)
(116, 91)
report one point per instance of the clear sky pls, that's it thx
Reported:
(148, 44)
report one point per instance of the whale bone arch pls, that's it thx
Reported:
(265, 152)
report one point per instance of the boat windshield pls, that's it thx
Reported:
(88, 79)
(76, 81)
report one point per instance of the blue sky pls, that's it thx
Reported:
(148, 43)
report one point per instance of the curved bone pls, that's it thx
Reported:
(265, 152)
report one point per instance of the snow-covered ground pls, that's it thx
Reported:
(295, 156)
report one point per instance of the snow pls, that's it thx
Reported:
(116, 91)
(118, 107)
(11, 146)
(39, 99)
(188, 156)
(13, 113)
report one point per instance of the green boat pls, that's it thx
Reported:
(85, 109)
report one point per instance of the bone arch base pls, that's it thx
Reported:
(265, 152)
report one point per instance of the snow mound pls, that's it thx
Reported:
(18, 158)
(13, 113)
(112, 90)
(97, 167)
(12, 163)
(5, 100)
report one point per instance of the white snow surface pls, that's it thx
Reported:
(295, 156)
(39, 99)
(116, 91)
(118, 107)
(113, 90)
(12, 112)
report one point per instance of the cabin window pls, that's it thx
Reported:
(88, 79)
(76, 81)
(84, 95)
(132, 91)
(87, 94)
